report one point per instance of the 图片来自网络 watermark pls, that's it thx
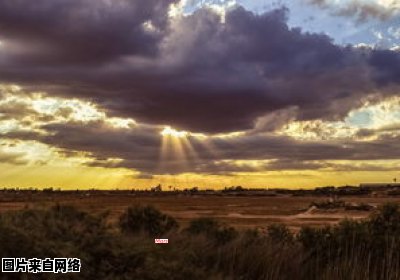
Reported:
(35, 265)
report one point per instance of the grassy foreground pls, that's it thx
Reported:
(368, 249)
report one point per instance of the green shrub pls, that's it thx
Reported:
(225, 234)
(386, 221)
(280, 233)
(146, 219)
(203, 225)
(211, 228)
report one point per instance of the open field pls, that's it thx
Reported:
(121, 245)
(236, 211)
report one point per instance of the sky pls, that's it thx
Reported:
(134, 93)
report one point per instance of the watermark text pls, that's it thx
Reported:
(34, 265)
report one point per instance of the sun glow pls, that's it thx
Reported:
(168, 131)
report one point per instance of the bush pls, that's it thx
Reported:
(211, 228)
(280, 233)
(146, 219)
(329, 204)
(386, 221)
(203, 225)
(225, 234)
(341, 249)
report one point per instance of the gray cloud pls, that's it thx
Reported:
(12, 158)
(360, 10)
(77, 32)
(194, 73)
(386, 66)
(140, 148)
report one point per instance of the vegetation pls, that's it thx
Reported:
(212, 229)
(359, 207)
(146, 219)
(337, 203)
(329, 204)
(205, 249)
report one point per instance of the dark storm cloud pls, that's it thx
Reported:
(141, 144)
(282, 147)
(193, 73)
(387, 66)
(80, 31)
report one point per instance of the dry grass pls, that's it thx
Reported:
(206, 249)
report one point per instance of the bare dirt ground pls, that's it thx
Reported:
(237, 211)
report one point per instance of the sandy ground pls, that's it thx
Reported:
(240, 212)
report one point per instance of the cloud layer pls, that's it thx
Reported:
(114, 73)
(136, 61)
(123, 143)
